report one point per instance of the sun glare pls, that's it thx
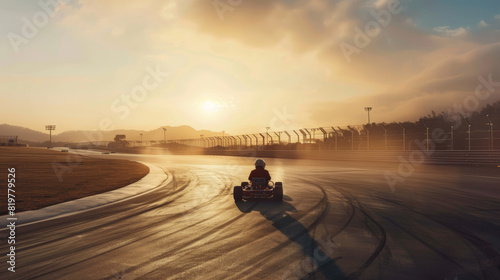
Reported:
(210, 106)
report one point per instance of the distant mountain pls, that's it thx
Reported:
(177, 132)
(23, 133)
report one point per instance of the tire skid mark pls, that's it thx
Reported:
(99, 226)
(380, 246)
(178, 247)
(61, 222)
(146, 208)
(320, 206)
(111, 236)
(468, 238)
(135, 267)
(356, 205)
(344, 198)
(426, 244)
(319, 219)
(134, 232)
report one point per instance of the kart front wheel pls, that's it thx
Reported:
(237, 193)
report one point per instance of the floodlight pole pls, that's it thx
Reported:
(368, 109)
(165, 135)
(50, 127)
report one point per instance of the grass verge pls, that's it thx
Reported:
(47, 177)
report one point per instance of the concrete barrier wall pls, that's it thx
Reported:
(491, 158)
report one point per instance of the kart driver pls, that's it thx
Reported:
(259, 171)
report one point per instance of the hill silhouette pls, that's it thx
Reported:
(76, 136)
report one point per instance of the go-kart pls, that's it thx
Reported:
(258, 188)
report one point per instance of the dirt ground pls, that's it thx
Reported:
(46, 177)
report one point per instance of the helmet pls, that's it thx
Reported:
(260, 162)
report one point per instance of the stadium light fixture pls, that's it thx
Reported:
(50, 127)
(368, 109)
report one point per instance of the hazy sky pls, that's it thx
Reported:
(241, 65)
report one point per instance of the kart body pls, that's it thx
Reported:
(258, 188)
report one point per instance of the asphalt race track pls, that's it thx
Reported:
(337, 221)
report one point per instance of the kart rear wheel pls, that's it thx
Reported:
(237, 193)
(278, 191)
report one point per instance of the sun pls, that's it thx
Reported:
(210, 106)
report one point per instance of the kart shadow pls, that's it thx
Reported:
(277, 213)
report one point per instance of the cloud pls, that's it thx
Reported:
(482, 23)
(447, 31)
(437, 88)
(318, 27)
(380, 4)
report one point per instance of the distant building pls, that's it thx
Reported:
(8, 140)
